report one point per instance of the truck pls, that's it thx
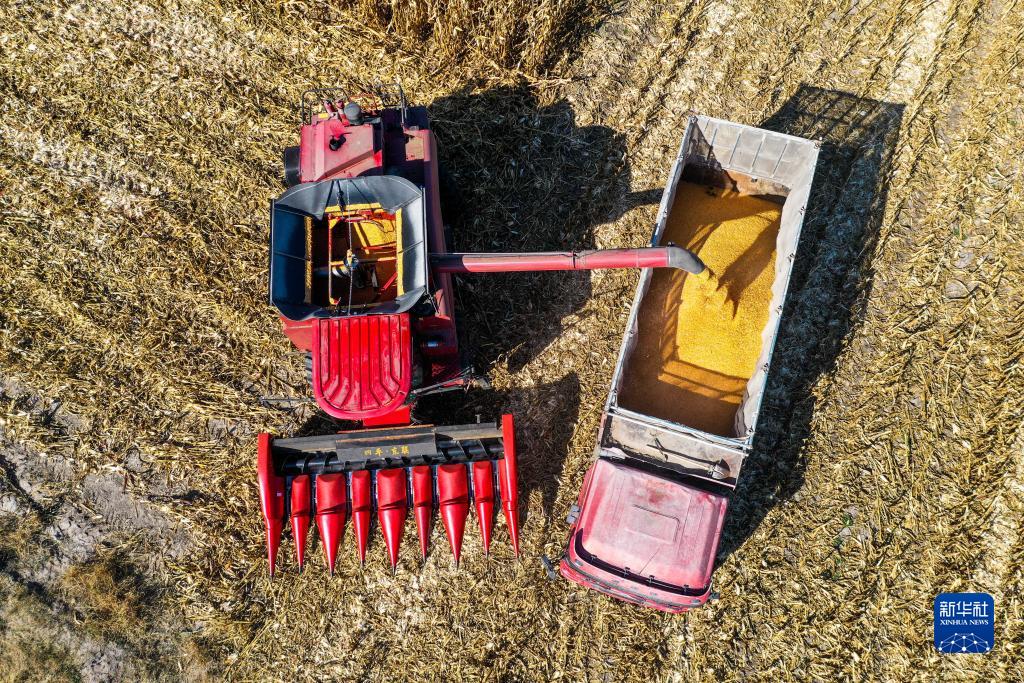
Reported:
(682, 411)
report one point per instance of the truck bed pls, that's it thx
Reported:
(683, 405)
(696, 352)
(698, 339)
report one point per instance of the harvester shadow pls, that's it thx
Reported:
(525, 178)
(831, 281)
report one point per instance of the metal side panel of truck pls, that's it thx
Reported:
(650, 514)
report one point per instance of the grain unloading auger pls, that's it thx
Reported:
(361, 277)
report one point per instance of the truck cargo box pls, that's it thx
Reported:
(682, 411)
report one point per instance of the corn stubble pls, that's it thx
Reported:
(139, 144)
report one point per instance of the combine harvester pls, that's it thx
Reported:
(361, 277)
(688, 385)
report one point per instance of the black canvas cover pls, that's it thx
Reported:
(288, 245)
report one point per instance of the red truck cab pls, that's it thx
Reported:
(644, 537)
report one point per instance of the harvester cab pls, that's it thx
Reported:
(361, 277)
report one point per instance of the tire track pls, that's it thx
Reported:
(77, 516)
(1004, 526)
(36, 618)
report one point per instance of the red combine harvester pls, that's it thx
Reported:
(361, 277)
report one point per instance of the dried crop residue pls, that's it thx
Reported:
(699, 339)
(139, 147)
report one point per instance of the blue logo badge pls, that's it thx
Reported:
(965, 622)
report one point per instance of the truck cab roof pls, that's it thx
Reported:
(646, 537)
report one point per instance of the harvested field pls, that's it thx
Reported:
(139, 145)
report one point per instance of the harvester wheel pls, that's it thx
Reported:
(292, 173)
(307, 364)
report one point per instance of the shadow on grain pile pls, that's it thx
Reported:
(832, 278)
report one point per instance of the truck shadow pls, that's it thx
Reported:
(524, 177)
(831, 281)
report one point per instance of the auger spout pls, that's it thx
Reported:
(596, 259)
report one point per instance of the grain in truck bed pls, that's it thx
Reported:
(698, 339)
(696, 352)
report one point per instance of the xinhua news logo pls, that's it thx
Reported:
(965, 623)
